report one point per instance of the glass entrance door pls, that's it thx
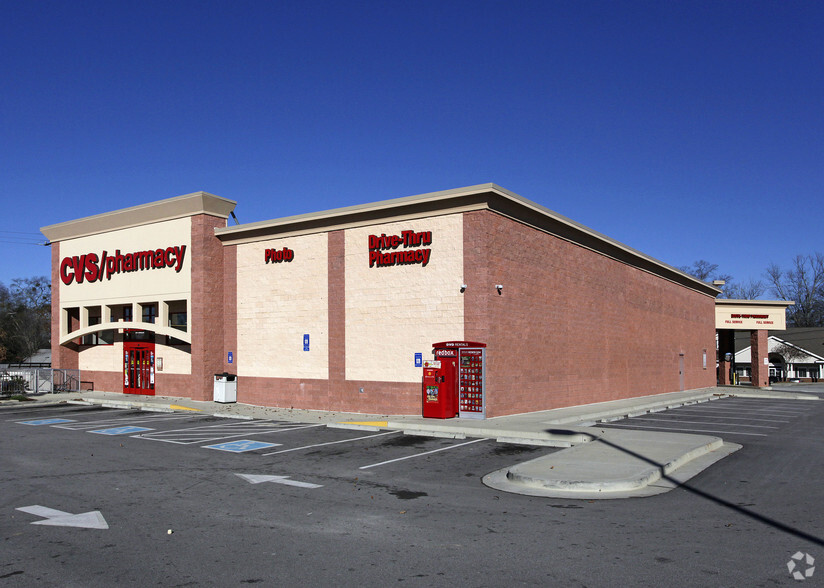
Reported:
(138, 368)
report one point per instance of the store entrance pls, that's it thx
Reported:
(138, 367)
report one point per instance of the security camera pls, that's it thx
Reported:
(500, 287)
(463, 288)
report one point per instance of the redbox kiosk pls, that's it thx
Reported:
(455, 382)
(438, 397)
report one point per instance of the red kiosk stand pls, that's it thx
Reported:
(454, 383)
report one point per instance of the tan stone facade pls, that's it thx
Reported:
(569, 316)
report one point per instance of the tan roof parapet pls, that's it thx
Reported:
(161, 210)
(479, 197)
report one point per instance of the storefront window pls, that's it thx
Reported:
(100, 337)
(149, 313)
(177, 320)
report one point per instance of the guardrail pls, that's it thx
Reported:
(38, 381)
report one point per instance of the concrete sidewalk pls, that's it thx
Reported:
(595, 462)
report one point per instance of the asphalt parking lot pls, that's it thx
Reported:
(739, 420)
(95, 497)
(309, 450)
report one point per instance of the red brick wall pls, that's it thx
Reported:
(759, 351)
(63, 356)
(206, 315)
(103, 381)
(573, 326)
(336, 255)
(229, 309)
(178, 385)
(377, 397)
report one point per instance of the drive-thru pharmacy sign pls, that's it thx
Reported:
(413, 251)
(93, 268)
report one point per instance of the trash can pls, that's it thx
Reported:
(225, 390)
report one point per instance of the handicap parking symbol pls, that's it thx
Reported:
(241, 446)
(120, 430)
(46, 422)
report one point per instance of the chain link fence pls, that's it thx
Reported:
(38, 381)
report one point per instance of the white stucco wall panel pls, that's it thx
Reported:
(121, 286)
(393, 312)
(104, 358)
(109, 358)
(176, 359)
(278, 303)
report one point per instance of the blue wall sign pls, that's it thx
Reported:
(306, 342)
(231, 357)
(419, 360)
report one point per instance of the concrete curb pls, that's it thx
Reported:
(586, 417)
(545, 438)
(498, 480)
(633, 476)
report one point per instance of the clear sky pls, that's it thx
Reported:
(687, 130)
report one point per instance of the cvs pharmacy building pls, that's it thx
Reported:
(338, 310)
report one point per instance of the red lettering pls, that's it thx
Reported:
(92, 268)
(79, 264)
(65, 274)
(278, 256)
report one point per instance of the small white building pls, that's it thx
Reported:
(794, 355)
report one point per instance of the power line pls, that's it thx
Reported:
(38, 243)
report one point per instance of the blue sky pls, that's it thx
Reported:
(687, 130)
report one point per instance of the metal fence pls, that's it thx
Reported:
(38, 381)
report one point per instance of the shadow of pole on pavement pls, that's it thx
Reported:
(692, 489)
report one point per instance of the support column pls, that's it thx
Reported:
(206, 319)
(759, 358)
(338, 393)
(726, 344)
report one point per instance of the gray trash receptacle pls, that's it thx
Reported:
(225, 389)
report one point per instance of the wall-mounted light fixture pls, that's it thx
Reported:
(463, 288)
(500, 288)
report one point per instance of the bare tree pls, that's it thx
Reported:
(789, 353)
(803, 283)
(708, 272)
(749, 290)
(25, 317)
(705, 271)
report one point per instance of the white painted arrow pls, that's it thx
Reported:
(258, 478)
(57, 518)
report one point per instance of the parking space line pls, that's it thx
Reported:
(30, 409)
(757, 408)
(332, 443)
(702, 413)
(422, 454)
(223, 431)
(758, 412)
(688, 430)
(676, 420)
(143, 418)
